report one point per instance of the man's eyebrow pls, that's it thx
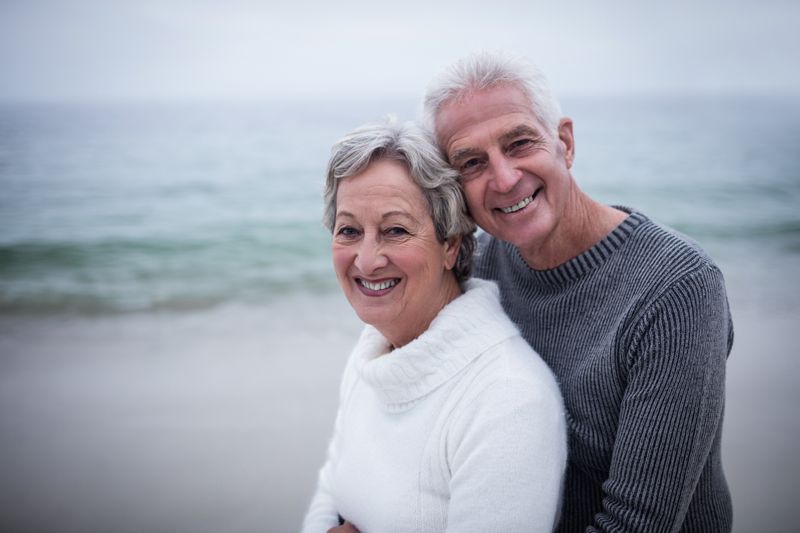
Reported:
(520, 131)
(517, 131)
(464, 153)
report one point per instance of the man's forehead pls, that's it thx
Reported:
(477, 106)
(481, 110)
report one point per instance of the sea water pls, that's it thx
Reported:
(114, 208)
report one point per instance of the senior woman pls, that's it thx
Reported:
(448, 420)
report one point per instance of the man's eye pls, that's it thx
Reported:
(470, 167)
(521, 145)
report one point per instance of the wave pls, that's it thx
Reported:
(131, 275)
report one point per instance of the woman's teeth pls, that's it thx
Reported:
(378, 286)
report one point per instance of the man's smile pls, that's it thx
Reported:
(521, 204)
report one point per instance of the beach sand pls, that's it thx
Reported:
(211, 421)
(218, 420)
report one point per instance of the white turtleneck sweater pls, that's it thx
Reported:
(460, 430)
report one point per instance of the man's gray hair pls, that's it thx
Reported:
(408, 144)
(485, 70)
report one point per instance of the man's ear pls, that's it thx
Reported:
(567, 140)
(451, 248)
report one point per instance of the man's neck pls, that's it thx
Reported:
(584, 223)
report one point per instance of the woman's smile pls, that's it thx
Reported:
(377, 287)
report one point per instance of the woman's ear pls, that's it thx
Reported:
(451, 248)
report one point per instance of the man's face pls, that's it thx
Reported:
(515, 173)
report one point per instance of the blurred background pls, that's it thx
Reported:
(171, 332)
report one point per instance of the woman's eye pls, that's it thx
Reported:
(348, 232)
(396, 231)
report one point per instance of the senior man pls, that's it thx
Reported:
(631, 316)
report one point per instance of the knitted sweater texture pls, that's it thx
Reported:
(460, 430)
(637, 331)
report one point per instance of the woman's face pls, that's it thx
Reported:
(393, 270)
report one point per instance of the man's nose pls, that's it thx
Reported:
(370, 257)
(504, 175)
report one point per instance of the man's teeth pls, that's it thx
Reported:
(518, 206)
(379, 286)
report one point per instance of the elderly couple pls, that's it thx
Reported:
(574, 383)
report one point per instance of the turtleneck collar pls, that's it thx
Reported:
(462, 330)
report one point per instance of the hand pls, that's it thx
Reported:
(347, 527)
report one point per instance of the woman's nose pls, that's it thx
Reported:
(370, 257)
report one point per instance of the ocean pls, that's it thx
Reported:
(113, 208)
(172, 334)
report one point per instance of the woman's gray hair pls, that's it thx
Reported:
(485, 70)
(408, 144)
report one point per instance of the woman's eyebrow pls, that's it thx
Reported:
(402, 214)
(384, 216)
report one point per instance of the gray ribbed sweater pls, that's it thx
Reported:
(637, 331)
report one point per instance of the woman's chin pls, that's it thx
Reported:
(376, 320)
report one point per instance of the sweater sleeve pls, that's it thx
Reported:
(322, 512)
(672, 407)
(507, 459)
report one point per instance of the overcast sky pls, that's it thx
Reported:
(250, 49)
